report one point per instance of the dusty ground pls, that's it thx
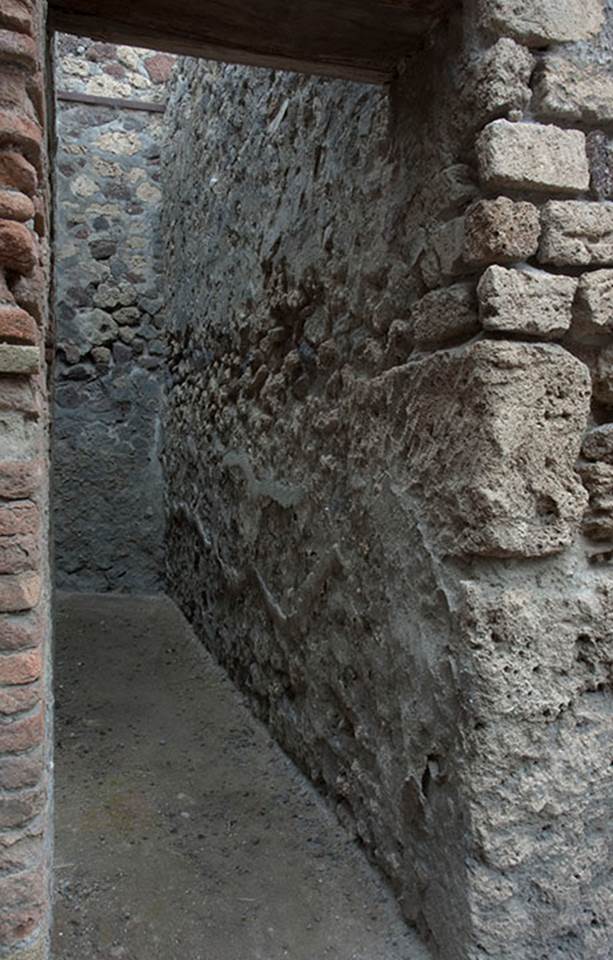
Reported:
(182, 830)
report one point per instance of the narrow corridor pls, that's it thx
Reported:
(182, 830)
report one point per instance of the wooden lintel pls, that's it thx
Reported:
(360, 40)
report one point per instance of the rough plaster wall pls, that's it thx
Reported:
(372, 501)
(108, 518)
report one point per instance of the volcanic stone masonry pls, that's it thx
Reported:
(107, 486)
(388, 456)
(389, 452)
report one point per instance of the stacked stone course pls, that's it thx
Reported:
(383, 372)
(24, 700)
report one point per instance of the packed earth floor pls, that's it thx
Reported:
(182, 830)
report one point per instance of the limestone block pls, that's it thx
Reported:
(594, 305)
(500, 231)
(577, 233)
(503, 80)
(19, 359)
(533, 156)
(539, 22)
(444, 315)
(598, 443)
(526, 301)
(566, 91)
(494, 432)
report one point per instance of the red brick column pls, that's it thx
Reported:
(24, 676)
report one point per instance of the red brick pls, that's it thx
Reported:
(17, 326)
(21, 849)
(14, 700)
(15, 206)
(15, 15)
(31, 293)
(21, 667)
(18, 554)
(19, 480)
(19, 593)
(17, 173)
(17, 247)
(17, 810)
(14, 93)
(26, 887)
(17, 48)
(21, 735)
(22, 516)
(21, 633)
(19, 772)
(18, 131)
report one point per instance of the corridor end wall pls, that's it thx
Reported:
(389, 449)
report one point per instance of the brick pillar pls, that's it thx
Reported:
(24, 622)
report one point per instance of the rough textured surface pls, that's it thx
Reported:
(183, 831)
(109, 351)
(309, 444)
(539, 22)
(577, 233)
(533, 156)
(526, 301)
(569, 92)
(594, 307)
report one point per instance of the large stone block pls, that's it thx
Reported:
(533, 156)
(539, 22)
(500, 231)
(568, 92)
(494, 430)
(526, 301)
(577, 233)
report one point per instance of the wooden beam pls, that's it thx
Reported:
(359, 40)
(117, 103)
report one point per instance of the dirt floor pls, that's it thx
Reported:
(182, 830)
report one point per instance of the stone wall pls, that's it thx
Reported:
(107, 500)
(25, 701)
(390, 337)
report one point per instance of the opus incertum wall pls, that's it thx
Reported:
(395, 483)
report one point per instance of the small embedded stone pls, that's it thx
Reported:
(598, 444)
(17, 326)
(445, 315)
(159, 67)
(15, 358)
(528, 302)
(533, 156)
(16, 173)
(17, 247)
(572, 93)
(594, 305)
(501, 231)
(540, 22)
(577, 233)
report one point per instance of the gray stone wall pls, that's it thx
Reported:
(107, 500)
(378, 394)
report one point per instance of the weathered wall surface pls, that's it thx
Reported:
(25, 701)
(386, 319)
(107, 500)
